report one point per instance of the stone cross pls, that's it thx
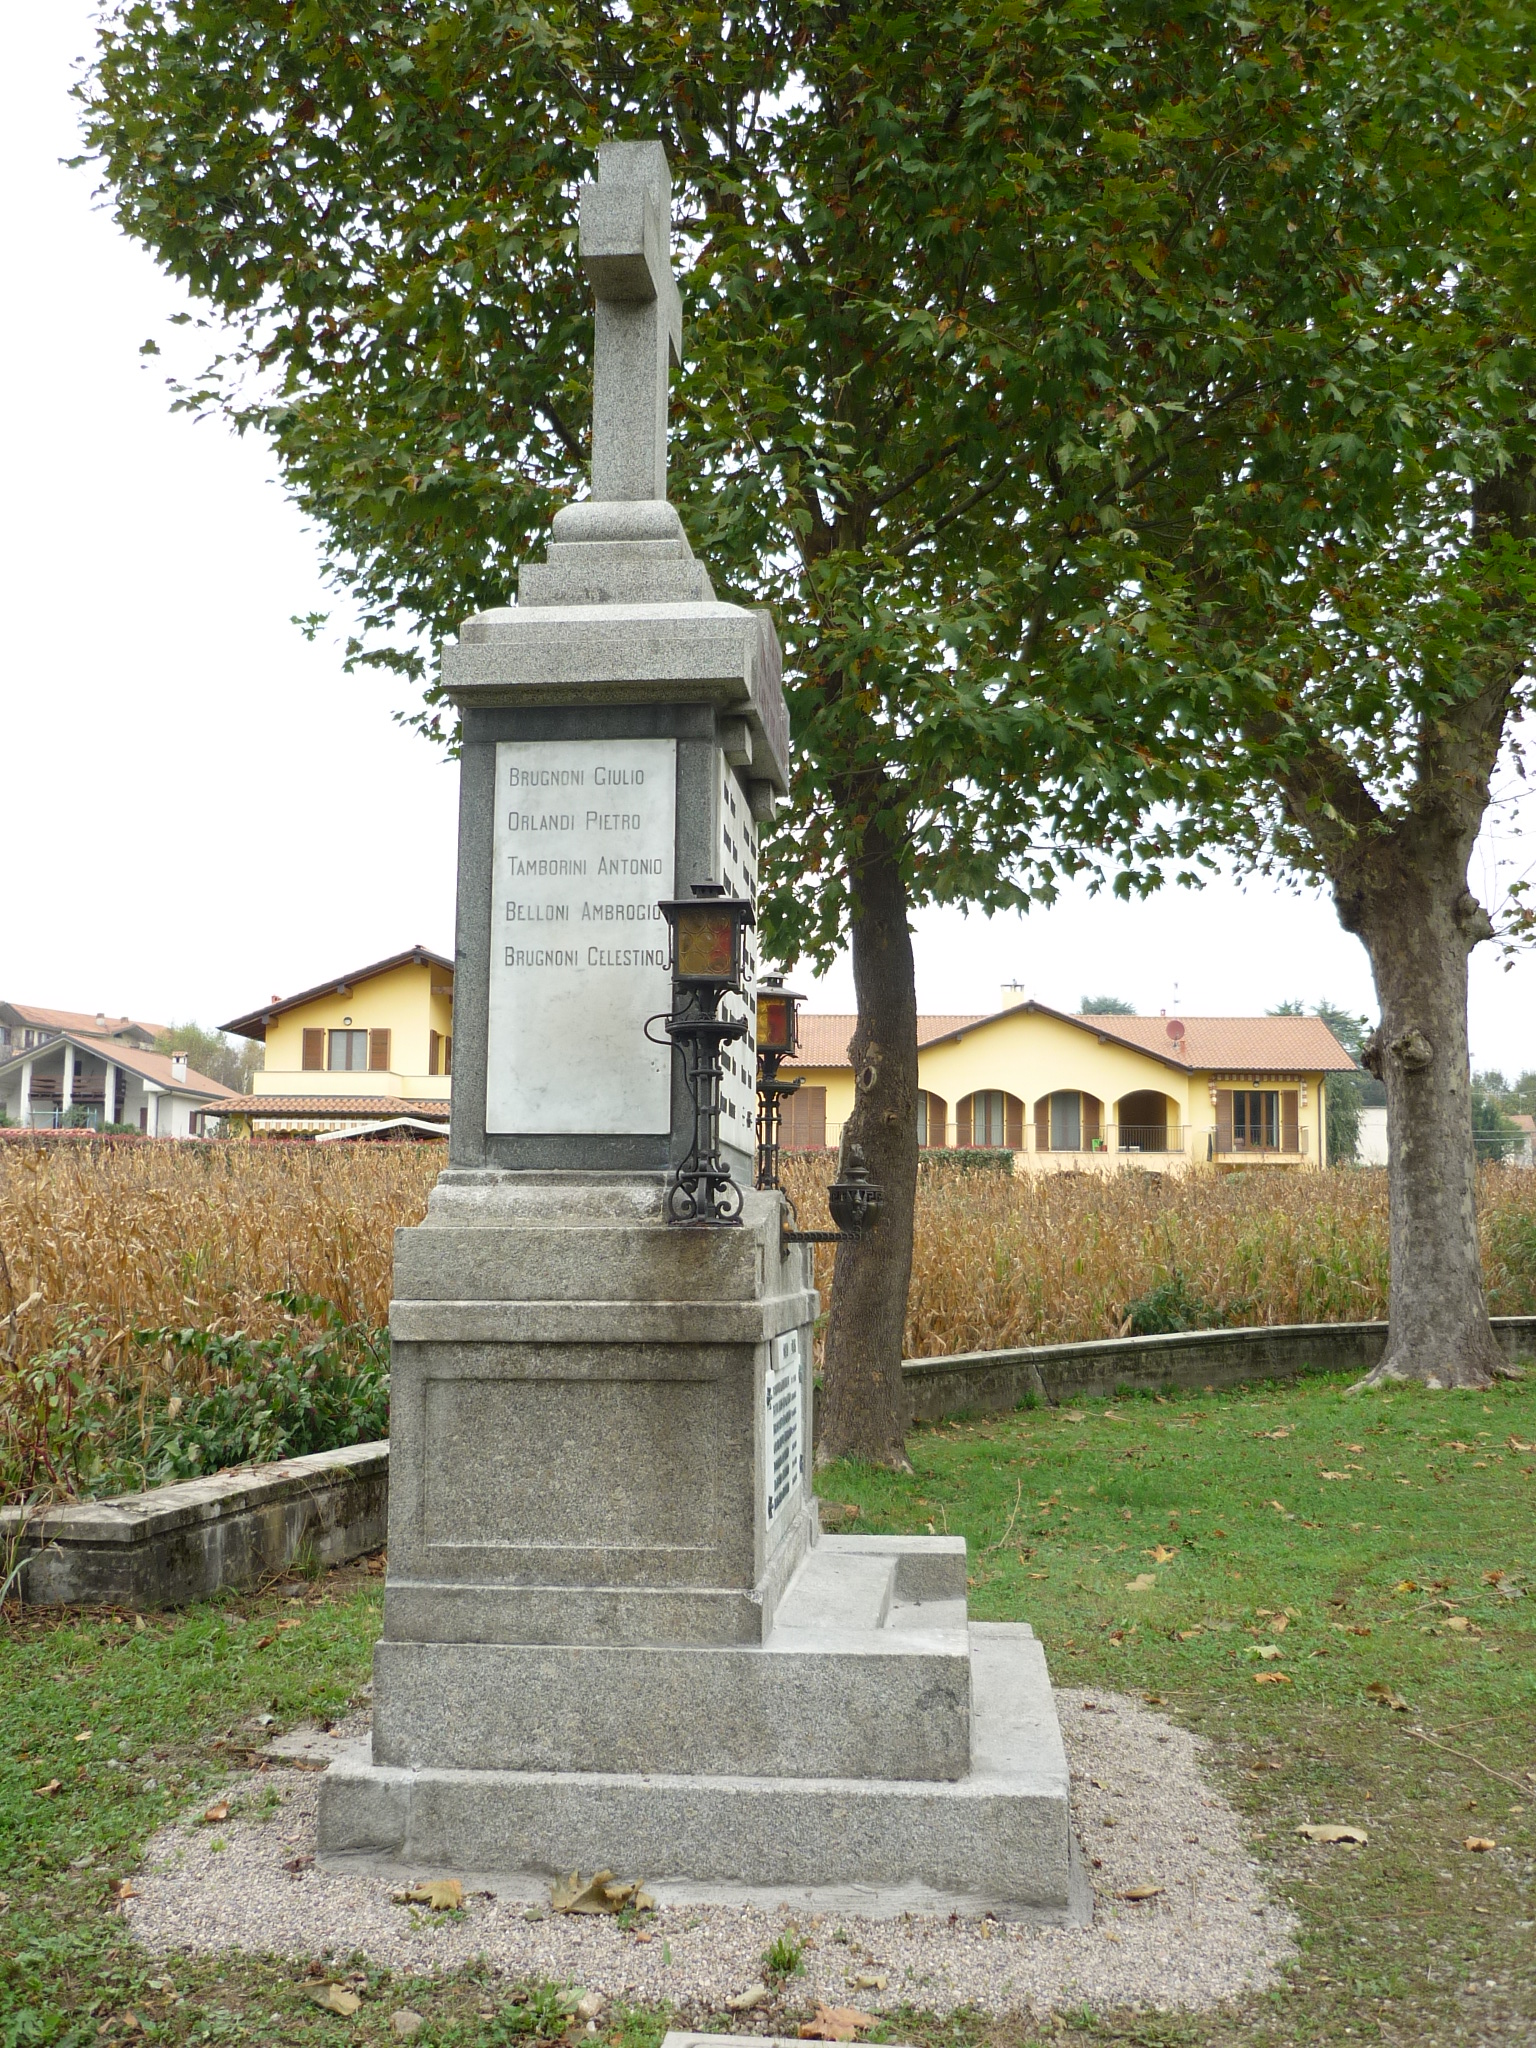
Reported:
(626, 223)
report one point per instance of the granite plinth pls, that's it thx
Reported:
(851, 1682)
(998, 1838)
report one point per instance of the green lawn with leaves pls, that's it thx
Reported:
(1338, 1591)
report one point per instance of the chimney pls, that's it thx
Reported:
(101, 1020)
(1013, 993)
(178, 1066)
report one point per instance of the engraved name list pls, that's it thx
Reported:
(584, 851)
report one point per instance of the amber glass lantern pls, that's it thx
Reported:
(709, 932)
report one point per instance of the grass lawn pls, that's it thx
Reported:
(1157, 1547)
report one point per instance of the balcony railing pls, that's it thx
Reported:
(1233, 1145)
(1147, 1137)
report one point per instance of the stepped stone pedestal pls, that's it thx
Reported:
(613, 1632)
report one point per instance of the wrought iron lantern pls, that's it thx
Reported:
(855, 1201)
(778, 1033)
(708, 946)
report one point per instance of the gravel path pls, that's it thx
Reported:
(1144, 1816)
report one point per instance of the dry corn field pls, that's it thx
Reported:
(130, 1236)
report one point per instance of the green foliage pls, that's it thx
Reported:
(535, 2011)
(1170, 1305)
(1106, 1006)
(270, 1397)
(784, 1955)
(965, 1159)
(221, 1398)
(212, 1053)
(1493, 1134)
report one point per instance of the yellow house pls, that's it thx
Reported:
(1094, 1093)
(373, 1045)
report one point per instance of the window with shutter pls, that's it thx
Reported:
(1013, 1118)
(378, 1052)
(1043, 1124)
(1066, 1121)
(803, 1127)
(1223, 1119)
(313, 1061)
(434, 1051)
(1093, 1121)
(1290, 1125)
(963, 1121)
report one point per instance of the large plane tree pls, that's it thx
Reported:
(967, 322)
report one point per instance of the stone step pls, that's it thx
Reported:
(996, 1838)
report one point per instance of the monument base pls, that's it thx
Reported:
(998, 1839)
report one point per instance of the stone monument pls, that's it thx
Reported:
(613, 1634)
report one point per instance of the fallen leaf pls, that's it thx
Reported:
(1406, 1586)
(868, 1981)
(1270, 1678)
(123, 1889)
(442, 1894)
(1516, 1445)
(85, 1735)
(1384, 1696)
(218, 1812)
(1154, 1699)
(748, 2000)
(297, 1622)
(1354, 1449)
(1333, 1475)
(47, 1791)
(1461, 1624)
(603, 1894)
(1268, 1651)
(1274, 1435)
(1218, 1532)
(1162, 1554)
(1142, 1583)
(1478, 1843)
(838, 2022)
(1185, 1634)
(296, 1864)
(335, 1998)
(262, 1642)
(1331, 1832)
(1136, 1892)
(1067, 1415)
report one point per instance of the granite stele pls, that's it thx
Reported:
(613, 1634)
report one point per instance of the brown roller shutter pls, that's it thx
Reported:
(378, 1052)
(1093, 1121)
(313, 1059)
(938, 1118)
(1013, 1122)
(963, 1121)
(1223, 1119)
(1043, 1124)
(1290, 1127)
(804, 1125)
(434, 1051)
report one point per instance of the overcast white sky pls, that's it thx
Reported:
(200, 810)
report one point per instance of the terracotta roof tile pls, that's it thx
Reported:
(1237, 1044)
(1220, 1044)
(824, 1037)
(433, 1109)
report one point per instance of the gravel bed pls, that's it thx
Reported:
(1143, 1813)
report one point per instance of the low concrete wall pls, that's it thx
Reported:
(184, 1542)
(990, 1381)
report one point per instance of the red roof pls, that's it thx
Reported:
(824, 1038)
(433, 1109)
(255, 1024)
(95, 1021)
(1217, 1044)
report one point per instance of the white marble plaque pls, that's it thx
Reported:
(783, 1435)
(583, 849)
(738, 871)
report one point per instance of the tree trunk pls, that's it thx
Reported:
(1418, 921)
(865, 1411)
